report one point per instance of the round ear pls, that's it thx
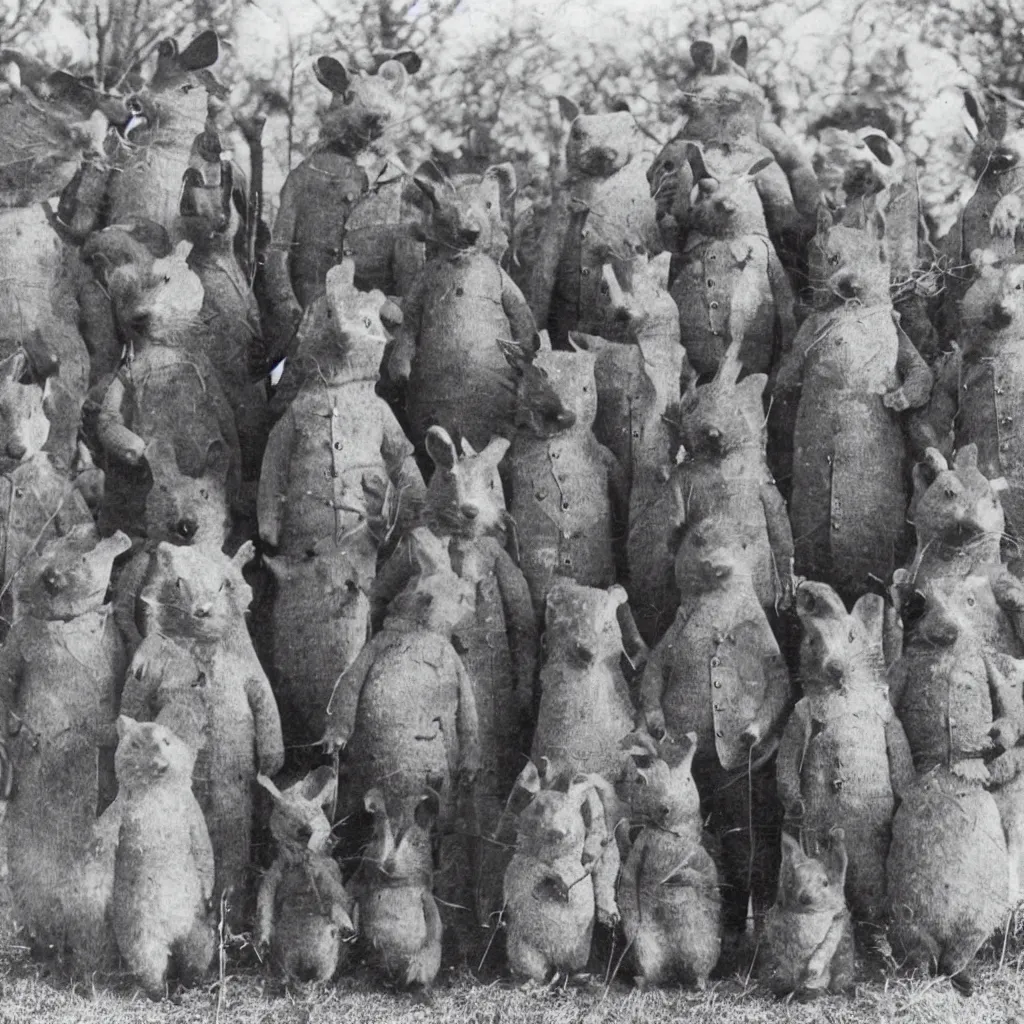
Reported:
(201, 53)
(569, 110)
(218, 459)
(395, 76)
(703, 55)
(528, 779)
(966, 457)
(167, 48)
(153, 236)
(373, 801)
(391, 315)
(619, 105)
(331, 74)
(320, 786)
(740, 52)
(618, 594)
(881, 146)
(441, 448)
(409, 59)
(758, 166)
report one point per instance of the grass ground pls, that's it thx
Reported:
(33, 992)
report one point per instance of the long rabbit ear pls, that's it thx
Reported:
(320, 786)
(13, 366)
(567, 108)
(441, 448)
(269, 786)
(331, 74)
(686, 765)
(836, 860)
(427, 809)
(528, 779)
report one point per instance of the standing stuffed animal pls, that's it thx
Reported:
(718, 672)
(303, 911)
(844, 757)
(808, 938)
(566, 487)
(60, 670)
(197, 600)
(603, 210)
(163, 869)
(319, 195)
(668, 895)
(397, 914)
(856, 372)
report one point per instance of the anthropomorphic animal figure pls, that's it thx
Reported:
(855, 372)
(461, 312)
(718, 672)
(602, 210)
(947, 874)
(567, 488)
(60, 670)
(808, 938)
(196, 599)
(398, 919)
(163, 871)
(844, 757)
(557, 884)
(728, 283)
(668, 894)
(310, 233)
(304, 913)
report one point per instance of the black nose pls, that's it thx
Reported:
(16, 448)
(470, 511)
(186, 527)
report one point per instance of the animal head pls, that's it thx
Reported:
(849, 264)
(710, 556)
(998, 137)
(400, 853)
(718, 97)
(658, 782)
(356, 329)
(437, 598)
(809, 885)
(134, 245)
(707, 60)
(839, 650)
(182, 509)
(340, 584)
(856, 165)
(599, 144)
(946, 611)
(24, 425)
(149, 754)
(72, 573)
(992, 310)
(725, 415)
(670, 177)
(958, 507)
(724, 202)
(464, 497)
(364, 104)
(213, 201)
(638, 298)
(468, 211)
(196, 593)
(540, 410)
(299, 819)
(581, 625)
(566, 398)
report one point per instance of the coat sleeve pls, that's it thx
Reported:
(273, 485)
(267, 720)
(515, 600)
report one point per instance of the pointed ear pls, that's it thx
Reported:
(703, 55)
(117, 543)
(269, 786)
(824, 220)
(161, 456)
(320, 786)
(528, 779)
(975, 111)
(331, 74)
(881, 146)
(429, 179)
(966, 457)
(758, 166)
(125, 725)
(201, 53)
(218, 460)
(14, 366)
(869, 611)
(695, 158)
(753, 385)
(373, 801)
(441, 448)
(792, 852)
(495, 451)
(515, 355)
(409, 59)
(658, 270)
(836, 859)
(427, 810)
(542, 341)
(569, 110)
(244, 555)
(740, 52)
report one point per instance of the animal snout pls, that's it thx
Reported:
(583, 653)
(470, 511)
(846, 285)
(203, 611)
(51, 580)
(1000, 315)
(566, 418)
(186, 527)
(942, 632)
(140, 321)
(16, 448)
(554, 835)
(471, 231)
(833, 671)
(806, 899)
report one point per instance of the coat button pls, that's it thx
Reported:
(714, 305)
(460, 291)
(711, 282)
(585, 272)
(338, 445)
(713, 256)
(565, 506)
(715, 663)
(541, 494)
(19, 493)
(717, 684)
(350, 197)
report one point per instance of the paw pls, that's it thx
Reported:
(131, 451)
(896, 400)
(399, 368)
(1006, 216)
(1007, 590)
(334, 743)
(608, 915)
(654, 723)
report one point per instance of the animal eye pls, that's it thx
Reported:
(165, 741)
(852, 636)
(367, 322)
(167, 278)
(203, 494)
(177, 583)
(970, 602)
(834, 259)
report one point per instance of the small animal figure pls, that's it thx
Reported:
(585, 706)
(957, 516)
(721, 636)
(602, 210)
(808, 937)
(60, 669)
(856, 372)
(163, 870)
(319, 195)
(196, 600)
(39, 501)
(567, 488)
(398, 919)
(668, 894)
(844, 757)
(980, 387)
(405, 709)
(303, 912)
(462, 311)
(559, 879)
(723, 472)
(947, 874)
(729, 285)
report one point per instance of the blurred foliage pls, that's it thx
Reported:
(491, 70)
